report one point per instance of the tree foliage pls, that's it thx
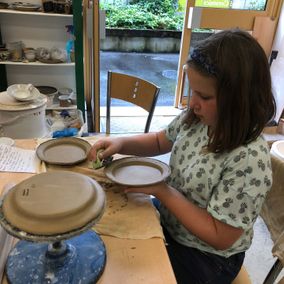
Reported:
(144, 14)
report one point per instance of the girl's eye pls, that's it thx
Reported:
(205, 98)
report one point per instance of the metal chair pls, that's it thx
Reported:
(134, 90)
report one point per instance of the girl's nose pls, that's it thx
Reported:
(193, 101)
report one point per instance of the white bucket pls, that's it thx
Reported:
(23, 121)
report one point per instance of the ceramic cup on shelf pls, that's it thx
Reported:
(30, 54)
(64, 92)
(42, 53)
(47, 6)
(73, 98)
(64, 101)
(59, 6)
(58, 54)
(4, 54)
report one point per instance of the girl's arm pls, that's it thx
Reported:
(149, 144)
(197, 220)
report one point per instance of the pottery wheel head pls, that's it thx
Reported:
(54, 203)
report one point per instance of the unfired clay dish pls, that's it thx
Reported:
(54, 203)
(63, 151)
(137, 171)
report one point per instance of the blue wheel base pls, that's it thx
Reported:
(82, 262)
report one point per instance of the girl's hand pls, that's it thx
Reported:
(156, 189)
(108, 146)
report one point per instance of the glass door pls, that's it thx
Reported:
(259, 17)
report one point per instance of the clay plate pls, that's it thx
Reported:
(137, 171)
(54, 203)
(10, 104)
(63, 151)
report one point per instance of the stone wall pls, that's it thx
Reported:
(156, 41)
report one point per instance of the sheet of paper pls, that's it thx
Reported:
(13, 159)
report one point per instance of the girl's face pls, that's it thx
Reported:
(203, 97)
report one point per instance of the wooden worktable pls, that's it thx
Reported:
(128, 261)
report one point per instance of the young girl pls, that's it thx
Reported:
(220, 163)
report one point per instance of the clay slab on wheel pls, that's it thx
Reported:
(54, 203)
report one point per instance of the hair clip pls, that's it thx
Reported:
(202, 61)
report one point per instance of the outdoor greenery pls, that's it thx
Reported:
(144, 14)
(159, 14)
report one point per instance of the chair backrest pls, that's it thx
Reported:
(134, 90)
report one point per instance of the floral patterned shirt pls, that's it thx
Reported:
(231, 186)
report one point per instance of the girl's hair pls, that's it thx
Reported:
(245, 103)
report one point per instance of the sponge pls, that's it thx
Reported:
(98, 163)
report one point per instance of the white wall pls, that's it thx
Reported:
(279, 33)
(277, 67)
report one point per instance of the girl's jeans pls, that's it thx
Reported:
(193, 266)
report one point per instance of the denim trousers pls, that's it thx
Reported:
(193, 266)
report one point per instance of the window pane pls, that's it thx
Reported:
(233, 4)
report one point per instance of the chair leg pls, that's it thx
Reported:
(242, 277)
(274, 272)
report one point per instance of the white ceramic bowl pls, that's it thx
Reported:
(30, 55)
(23, 92)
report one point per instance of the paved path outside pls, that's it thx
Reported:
(160, 69)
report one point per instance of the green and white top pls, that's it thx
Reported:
(231, 186)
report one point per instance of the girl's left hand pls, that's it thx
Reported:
(155, 189)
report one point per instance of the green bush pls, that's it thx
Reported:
(157, 6)
(145, 14)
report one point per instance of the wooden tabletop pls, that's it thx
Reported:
(128, 261)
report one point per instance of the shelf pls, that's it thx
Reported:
(57, 107)
(37, 63)
(16, 12)
(37, 29)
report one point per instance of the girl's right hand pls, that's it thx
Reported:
(109, 146)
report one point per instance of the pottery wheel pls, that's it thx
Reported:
(81, 261)
(54, 206)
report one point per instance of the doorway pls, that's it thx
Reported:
(146, 56)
